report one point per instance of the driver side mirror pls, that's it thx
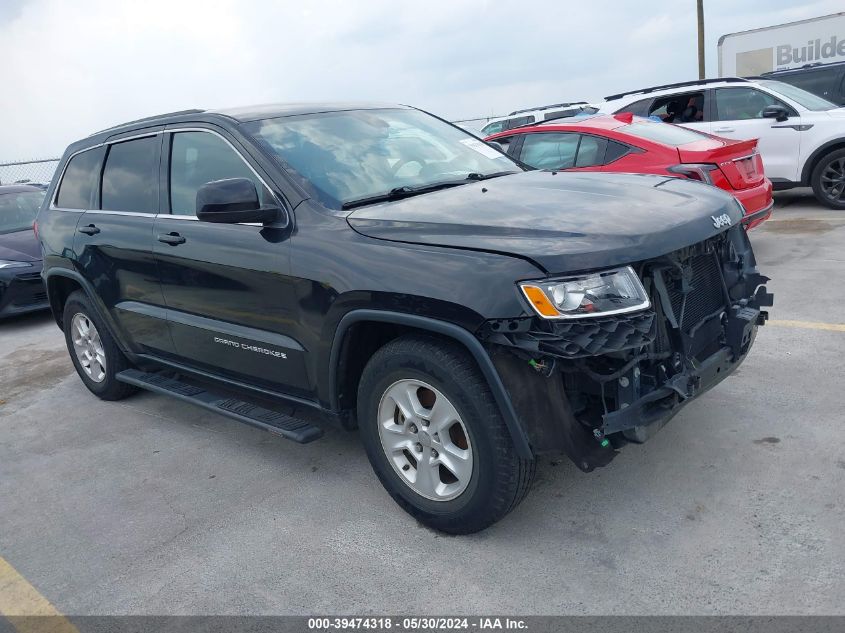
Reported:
(232, 201)
(777, 112)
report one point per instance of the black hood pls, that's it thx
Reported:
(564, 222)
(20, 246)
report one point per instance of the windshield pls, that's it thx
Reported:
(17, 210)
(799, 96)
(359, 154)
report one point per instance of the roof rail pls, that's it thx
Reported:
(546, 107)
(681, 84)
(569, 115)
(148, 119)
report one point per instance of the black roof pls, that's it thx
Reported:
(221, 116)
(248, 113)
(274, 110)
(4, 189)
(813, 66)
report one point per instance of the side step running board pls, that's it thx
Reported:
(267, 419)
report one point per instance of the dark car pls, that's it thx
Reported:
(375, 266)
(21, 288)
(825, 80)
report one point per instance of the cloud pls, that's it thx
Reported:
(71, 68)
(659, 26)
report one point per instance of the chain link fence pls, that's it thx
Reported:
(28, 171)
(475, 124)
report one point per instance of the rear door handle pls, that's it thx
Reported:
(171, 238)
(89, 230)
(725, 129)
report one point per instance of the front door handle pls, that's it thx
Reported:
(724, 129)
(89, 230)
(173, 239)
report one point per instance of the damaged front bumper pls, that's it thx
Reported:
(588, 386)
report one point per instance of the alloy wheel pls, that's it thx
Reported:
(88, 347)
(833, 179)
(425, 440)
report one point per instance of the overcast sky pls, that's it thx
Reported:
(71, 67)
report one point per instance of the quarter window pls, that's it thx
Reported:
(130, 177)
(614, 151)
(518, 121)
(197, 158)
(820, 82)
(506, 142)
(493, 128)
(638, 108)
(76, 190)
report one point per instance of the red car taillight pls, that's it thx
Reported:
(695, 171)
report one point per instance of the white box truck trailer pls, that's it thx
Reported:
(790, 45)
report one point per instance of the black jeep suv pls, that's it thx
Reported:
(388, 270)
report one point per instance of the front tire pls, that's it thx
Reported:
(828, 180)
(435, 437)
(92, 349)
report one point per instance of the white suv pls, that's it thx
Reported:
(802, 136)
(520, 118)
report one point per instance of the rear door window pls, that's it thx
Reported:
(130, 177)
(76, 190)
(591, 151)
(683, 108)
(563, 150)
(550, 150)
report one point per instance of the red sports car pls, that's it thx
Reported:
(625, 143)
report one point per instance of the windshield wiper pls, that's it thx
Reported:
(397, 193)
(496, 174)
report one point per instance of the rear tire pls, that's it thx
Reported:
(450, 462)
(828, 180)
(92, 349)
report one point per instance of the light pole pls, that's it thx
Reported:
(700, 8)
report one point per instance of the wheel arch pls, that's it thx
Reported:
(343, 373)
(817, 155)
(61, 283)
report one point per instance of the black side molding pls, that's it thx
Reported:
(273, 421)
(471, 343)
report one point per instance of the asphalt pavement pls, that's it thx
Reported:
(152, 506)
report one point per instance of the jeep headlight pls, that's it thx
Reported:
(599, 294)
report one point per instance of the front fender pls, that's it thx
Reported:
(460, 335)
